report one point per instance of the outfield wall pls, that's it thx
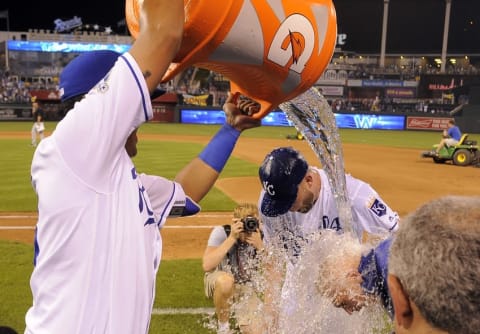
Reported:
(171, 113)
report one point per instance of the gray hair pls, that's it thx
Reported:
(436, 256)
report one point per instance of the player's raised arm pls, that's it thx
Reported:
(161, 29)
(198, 177)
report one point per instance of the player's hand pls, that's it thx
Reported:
(239, 113)
(236, 228)
(351, 298)
(340, 281)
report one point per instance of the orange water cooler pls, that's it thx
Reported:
(271, 51)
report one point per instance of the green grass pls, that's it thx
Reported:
(179, 285)
(179, 324)
(167, 158)
(178, 281)
(15, 293)
(16, 189)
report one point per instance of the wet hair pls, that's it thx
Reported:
(436, 256)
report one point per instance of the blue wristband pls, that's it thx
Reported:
(218, 150)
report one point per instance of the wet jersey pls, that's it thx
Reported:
(369, 213)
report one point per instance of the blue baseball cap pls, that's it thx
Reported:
(280, 174)
(86, 70)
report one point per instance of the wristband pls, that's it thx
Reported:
(218, 150)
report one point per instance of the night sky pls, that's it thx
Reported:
(415, 26)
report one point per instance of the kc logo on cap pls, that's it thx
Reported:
(269, 188)
(280, 174)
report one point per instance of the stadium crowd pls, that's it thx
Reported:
(195, 81)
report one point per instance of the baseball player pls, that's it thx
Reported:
(297, 201)
(38, 127)
(97, 241)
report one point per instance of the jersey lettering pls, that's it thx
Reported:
(331, 225)
(142, 201)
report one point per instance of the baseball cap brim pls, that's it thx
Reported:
(275, 207)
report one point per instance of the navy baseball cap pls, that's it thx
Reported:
(280, 173)
(86, 70)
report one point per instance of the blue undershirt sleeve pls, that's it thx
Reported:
(374, 270)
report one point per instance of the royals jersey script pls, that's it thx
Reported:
(369, 214)
(97, 242)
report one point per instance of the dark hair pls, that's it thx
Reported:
(67, 105)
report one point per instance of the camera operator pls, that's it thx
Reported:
(231, 261)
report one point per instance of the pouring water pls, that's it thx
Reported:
(313, 117)
(307, 310)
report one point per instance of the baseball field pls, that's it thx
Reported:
(389, 160)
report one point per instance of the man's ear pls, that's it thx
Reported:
(401, 302)
(309, 178)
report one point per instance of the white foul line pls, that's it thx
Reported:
(206, 215)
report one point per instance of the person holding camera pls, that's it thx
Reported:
(231, 262)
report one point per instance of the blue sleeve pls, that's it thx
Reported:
(374, 270)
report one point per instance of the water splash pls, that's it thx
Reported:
(314, 263)
(311, 115)
(303, 305)
(325, 262)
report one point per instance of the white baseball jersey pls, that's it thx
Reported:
(369, 213)
(292, 230)
(97, 243)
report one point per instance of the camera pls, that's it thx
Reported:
(250, 224)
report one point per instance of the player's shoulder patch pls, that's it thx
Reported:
(377, 206)
(102, 86)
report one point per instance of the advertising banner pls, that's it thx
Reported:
(279, 118)
(331, 90)
(44, 94)
(427, 123)
(400, 92)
